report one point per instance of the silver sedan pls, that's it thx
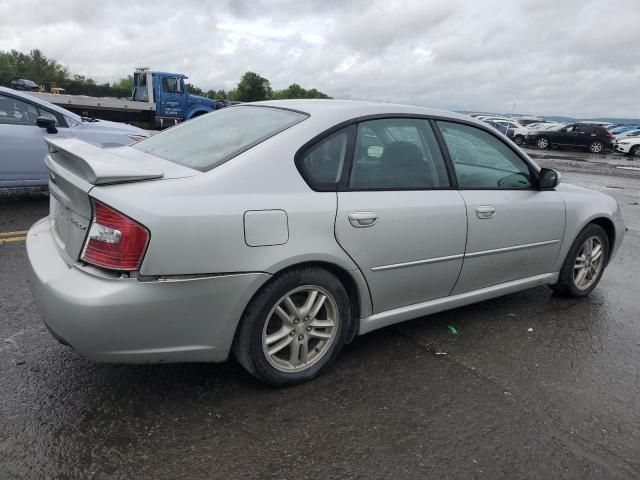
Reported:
(281, 230)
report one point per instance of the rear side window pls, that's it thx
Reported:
(397, 154)
(207, 141)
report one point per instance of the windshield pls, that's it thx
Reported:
(205, 142)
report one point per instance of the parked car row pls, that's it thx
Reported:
(25, 123)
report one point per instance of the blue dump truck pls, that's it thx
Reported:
(158, 100)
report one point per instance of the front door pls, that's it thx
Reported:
(399, 219)
(23, 148)
(173, 97)
(514, 229)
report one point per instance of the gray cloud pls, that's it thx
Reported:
(572, 57)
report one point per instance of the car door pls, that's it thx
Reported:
(173, 97)
(398, 217)
(23, 148)
(568, 135)
(514, 229)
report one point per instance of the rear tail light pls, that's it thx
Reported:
(115, 241)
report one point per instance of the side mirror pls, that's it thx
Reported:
(48, 123)
(548, 179)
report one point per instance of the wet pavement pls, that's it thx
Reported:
(531, 386)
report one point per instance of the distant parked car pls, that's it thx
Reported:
(634, 132)
(25, 121)
(629, 146)
(594, 138)
(24, 84)
(622, 129)
(519, 131)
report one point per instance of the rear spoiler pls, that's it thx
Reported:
(97, 165)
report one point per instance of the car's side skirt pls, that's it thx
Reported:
(408, 312)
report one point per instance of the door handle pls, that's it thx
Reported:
(363, 219)
(485, 211)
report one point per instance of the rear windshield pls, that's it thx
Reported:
(205, 142)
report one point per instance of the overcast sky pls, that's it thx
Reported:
(565, 57)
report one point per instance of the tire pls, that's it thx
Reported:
(567, 282)
(635, 151)
(263, 327)
(518, 139)
(596, 147)
(543, 143)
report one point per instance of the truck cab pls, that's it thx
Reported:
(167, 92)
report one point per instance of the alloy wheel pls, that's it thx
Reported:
(300, 329)
(543, 143)
(588, 263)
(596, 147)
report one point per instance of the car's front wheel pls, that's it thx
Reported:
(585, 263)
(635, 151)
(294, 328)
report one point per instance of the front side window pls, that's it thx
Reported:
(397, 153)
(171, 85)
(483, 161)
(17, 112)
(209, 140)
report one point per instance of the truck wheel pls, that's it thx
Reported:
(294, 328)
(585, 263)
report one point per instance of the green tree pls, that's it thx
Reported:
(252, 88)
(125, 83)
(296, 91)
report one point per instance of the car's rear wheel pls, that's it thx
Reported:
(585, 263)
(518, 139)
(635, 151)
(596, 147)
(294, 328)
(543, 143)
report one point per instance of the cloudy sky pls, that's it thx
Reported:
(565, 57)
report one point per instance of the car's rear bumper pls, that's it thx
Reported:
(112, 319)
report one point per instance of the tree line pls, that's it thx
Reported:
(39, 68)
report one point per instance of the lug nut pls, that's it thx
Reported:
(301, 337)
(292, 333)
(308, 329)
(296, 321)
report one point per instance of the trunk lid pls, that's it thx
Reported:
(75, 167)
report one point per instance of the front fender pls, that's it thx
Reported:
(198, 110)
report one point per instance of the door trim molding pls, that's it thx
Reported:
(515, 248)
(401, 314)
(428, 261)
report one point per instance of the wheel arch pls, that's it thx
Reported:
(609, 228)
(352, 280)
(196, 112)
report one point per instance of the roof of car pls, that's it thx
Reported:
(340, 110)
(39, 101)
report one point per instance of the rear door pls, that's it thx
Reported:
(398, 217)
(514, 229)
(22, 144)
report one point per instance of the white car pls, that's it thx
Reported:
(628, 146)
(520, 131)
(25, 123)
